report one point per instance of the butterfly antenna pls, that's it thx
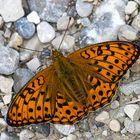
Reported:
(64, 34)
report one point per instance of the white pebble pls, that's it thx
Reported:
(67, 44)
(137, 127)
(115, 104)
(7, 99)
(33, 17)
(11, 11)
(33, 64)
(129, 125)
(26, 134)
(83, 9)
(132, 111)
(45, 32)
(65, 129)
(102, 117)
(1, 105)
(15, 40)
(136, 22)
(1, 22)
(114, 125)
(71, 137)
(62, 22)
(131, 7)
(6, 84)
(105, 133)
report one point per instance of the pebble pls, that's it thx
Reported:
(50, 10)
(129, 125)
(1, 22)
(26, 54)
(137, 127)
(21, 77)
(115, 104)
(67, 44)
(33, 17)
(7, 99)
(2, 40)
(7, 33)
(15, 41)
(114, 125)
(63, 21)
(136, 22)
(33, 64)
(105, 133)
(131, 7)
(6, 136)
(26, 134)
(43, 128)
(9, 60)
(71, 137)
(1, 104)
(129, 88)
(45, 32)
(84, 125)
(84, 21)
(2, 122)
(25, 28)
(132, 111)
(102, 117)
(83, 9)
(11, 11)
(65, 129)
(6, 84)
(127, 33)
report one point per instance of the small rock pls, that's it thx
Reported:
(43, 128)
(62, 22)
(4, 110)
(15, 40)
(115, 104)
(6, 136)
(1, 105)
(11, 11)
(71, 137)
(50, 10)
(26, 134)
(33, 17)
(114, 125)
(137, 127)
(105, 133)
(1, 22)
(2, 38)
(33, 64)
(129, 88)
(45, 32)
(132, 111)
(7, 99)
(2, 122)
(7, 33)
(127, 33)
(123, 131)
(65, 129)
(131, 7)
(129, 125)
(136, 22)
(6, 84)
(9, 60)
(67, 44)
(102, 117)
(25, 28)
(84, 21)
(84, 125)
(83, 9)
(21, 77)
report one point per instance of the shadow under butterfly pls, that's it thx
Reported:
(72, 86)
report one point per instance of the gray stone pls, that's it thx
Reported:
(127, 33)
(9, 60)
(84, 9)
(6, 136)
(50, 10)
(103, 117)
(136, 22)
(21, 77)
(26, 134)
(1, 22)
(25, 28)
(11, 11)
(129, 125)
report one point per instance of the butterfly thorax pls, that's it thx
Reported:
(70, 79)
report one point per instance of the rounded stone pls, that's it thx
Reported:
(45, 32)
(114, 125)
(25, 28)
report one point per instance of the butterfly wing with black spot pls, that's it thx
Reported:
(107, 61)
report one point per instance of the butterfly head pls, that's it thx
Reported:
(56, 55)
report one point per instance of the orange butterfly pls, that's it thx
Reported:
(72, 86)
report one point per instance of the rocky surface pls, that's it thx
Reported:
(31, 25)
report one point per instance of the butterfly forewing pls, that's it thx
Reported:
(48, 97)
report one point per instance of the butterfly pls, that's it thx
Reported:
(72, 86)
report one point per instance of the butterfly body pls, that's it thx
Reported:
(72, 86)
